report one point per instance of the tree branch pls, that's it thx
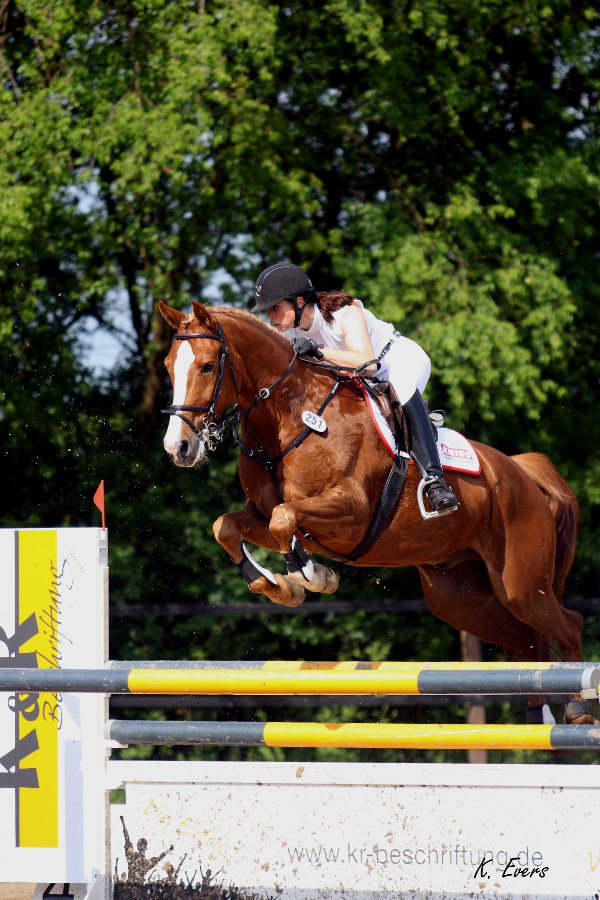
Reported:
(4, 10)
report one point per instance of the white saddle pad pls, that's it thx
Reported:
(456, 453)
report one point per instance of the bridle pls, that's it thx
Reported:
(215, 430)
(211, 428)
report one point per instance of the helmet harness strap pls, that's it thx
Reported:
(311, 297)
(298, 310)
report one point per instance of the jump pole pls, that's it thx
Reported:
(328, 831)
(356, 735)
(383, 679)
(316, 678)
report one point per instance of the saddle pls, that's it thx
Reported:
(455, 452)
(386, 398)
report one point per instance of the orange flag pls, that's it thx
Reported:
(99, 502)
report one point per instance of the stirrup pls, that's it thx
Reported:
(423, 485)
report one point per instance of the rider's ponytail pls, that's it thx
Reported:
(330, 301)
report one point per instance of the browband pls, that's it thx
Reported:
(189, 337)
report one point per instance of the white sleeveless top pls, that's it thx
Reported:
(331, 335)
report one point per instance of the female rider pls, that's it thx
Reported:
(351, 335)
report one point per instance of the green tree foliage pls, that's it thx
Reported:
(438, 158)
(492, 317)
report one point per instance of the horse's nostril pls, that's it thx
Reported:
(183, 448)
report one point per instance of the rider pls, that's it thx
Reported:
(351, 335)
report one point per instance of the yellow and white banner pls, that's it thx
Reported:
(53, 594)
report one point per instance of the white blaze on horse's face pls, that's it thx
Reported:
(185, 451)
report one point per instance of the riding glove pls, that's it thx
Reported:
(306, 347)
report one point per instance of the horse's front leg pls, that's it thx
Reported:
(306, 573)
(339, 511)
(231, 530)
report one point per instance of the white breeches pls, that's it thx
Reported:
(407, 367)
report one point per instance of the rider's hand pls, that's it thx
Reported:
(306, 347)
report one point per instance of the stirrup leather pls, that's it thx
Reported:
(433, 514)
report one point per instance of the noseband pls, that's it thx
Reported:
(211, 429)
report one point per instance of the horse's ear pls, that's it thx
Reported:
(204, 316)
(173, 316)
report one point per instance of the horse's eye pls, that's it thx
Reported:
(207, 368)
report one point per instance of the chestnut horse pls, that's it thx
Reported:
(496, 568)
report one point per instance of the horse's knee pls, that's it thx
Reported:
(283, 524)
(226, 531)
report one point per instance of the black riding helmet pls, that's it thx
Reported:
(283, 281)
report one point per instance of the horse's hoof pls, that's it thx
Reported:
(583, 720)
(577, 712)
(330, 581)
(291, 594)
(262, 585)
(285, 592)
(323, 581)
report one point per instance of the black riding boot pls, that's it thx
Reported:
(425, 453)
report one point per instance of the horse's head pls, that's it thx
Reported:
(193, 365)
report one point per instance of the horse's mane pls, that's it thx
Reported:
(252, 320)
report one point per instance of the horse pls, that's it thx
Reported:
(495, 568)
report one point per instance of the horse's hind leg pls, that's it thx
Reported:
(231, 530)
(463, 596)
(520, 565)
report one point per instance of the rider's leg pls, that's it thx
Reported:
(425, 453)
(407, 367)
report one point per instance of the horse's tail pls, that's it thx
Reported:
(565, 510)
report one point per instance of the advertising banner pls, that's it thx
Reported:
(304, 841)
(52, 615)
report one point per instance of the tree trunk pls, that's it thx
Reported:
(153, 382)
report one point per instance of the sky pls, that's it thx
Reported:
(100, 348)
